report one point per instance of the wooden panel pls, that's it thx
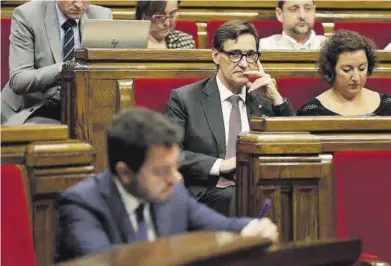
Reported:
(26, 133)
(126, 94)
(305, 212)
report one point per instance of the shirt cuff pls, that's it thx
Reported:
(215, 170)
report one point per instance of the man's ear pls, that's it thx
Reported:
(124, 174)
(279, 15)
(216, 56)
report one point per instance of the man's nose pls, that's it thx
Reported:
(243, 62)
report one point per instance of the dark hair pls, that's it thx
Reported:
(280, 4)
(133, 131)
(344, 41)
(145, 9)
(231, 30)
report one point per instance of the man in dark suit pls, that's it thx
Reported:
(212, 112)
(140, 197)
(44, 34)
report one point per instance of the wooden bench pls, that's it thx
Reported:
(290, 160)
(101, 83)
(51, 162)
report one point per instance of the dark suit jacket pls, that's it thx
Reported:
(92, 217)
(196, 108)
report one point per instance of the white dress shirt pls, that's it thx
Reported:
(226, 107)
(61, 19)
(285, 42)
(131, 204)
(388, 47)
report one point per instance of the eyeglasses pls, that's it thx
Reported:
(236, 56)
(161, 18)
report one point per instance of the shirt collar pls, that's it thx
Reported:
(131, 202)
(225, 93)
(61, 16)
(295, 44)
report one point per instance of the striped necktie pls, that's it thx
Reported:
(68, 48)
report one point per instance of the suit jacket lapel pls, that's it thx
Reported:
(120, 218)
(53, 31)
(162, 219)
(254, 106)
(81, 26)
(211, 104)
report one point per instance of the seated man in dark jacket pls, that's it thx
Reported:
(140, 197)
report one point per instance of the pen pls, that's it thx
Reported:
(266, 206)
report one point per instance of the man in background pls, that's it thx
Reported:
(44, 34)
(213, 111)
(140, 197)
(298, 20)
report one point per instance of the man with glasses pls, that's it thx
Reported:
(163, 16)
(213, 111)
(44, 34)
(140, 197)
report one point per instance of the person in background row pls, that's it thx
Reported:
(213, 112)
(345, 62)
(388, 47)
(139, 198)
(44, 34)
(163, 16)
(298, 19)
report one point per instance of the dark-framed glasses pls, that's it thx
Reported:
(236, 56)
(160, 18)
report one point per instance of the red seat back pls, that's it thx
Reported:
(363, 183)
(265, 28)
(16, 234)
(300, 90)
(189, 27)
(379, 32)
(379, 84)
(154, 93)
(5, 48)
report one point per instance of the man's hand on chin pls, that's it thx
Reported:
(263, 228)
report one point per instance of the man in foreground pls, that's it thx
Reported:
(140, 197)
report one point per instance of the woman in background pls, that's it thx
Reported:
(346, 59)
(162, 33)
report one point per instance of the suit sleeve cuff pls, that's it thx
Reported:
(215, 170)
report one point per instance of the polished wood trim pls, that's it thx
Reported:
(26, 133)
(319, 123)
(198, 55)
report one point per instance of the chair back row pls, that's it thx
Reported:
(298, 90)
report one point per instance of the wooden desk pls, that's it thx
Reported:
(290, 160)
(101, 83)
(51, 163)
(224, 248)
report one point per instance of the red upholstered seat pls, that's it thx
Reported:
(363, 197)
(265, 28)
(379, 84)
(189, 27)
(5, 43)
(16, 235)
(300, 90)
(380, 32)
(154, 93)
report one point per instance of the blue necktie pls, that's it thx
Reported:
(142, 232)
(68, 47)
